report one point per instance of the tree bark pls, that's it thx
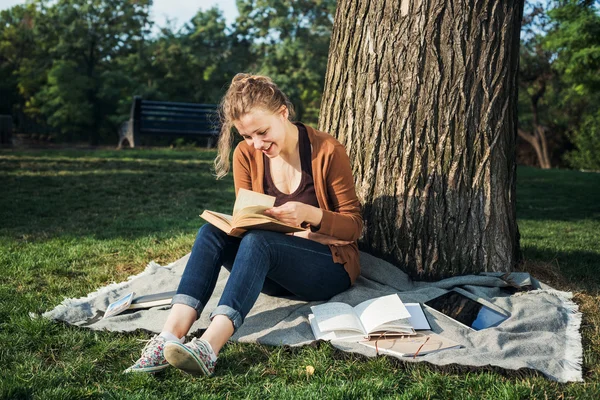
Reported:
(423, 94)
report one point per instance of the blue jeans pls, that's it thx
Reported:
(271, 262)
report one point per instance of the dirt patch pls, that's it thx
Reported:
(546, 271)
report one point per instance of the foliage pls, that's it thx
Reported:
(64, 97)
(91, 57)
(194, 64)
(83, 38)
(536, 85)
(76, 64)
(17, 40)
(574, 39)
(559, 75)
(587, 144)
(292, 42)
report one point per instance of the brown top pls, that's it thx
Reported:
(305, 193)
(334, 188)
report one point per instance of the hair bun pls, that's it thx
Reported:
(240, 77)
(244, 78)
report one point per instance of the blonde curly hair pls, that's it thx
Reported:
(245, 93)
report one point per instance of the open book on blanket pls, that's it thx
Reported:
(248, 213)
(371, 318)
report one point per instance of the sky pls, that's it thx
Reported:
(180, 10)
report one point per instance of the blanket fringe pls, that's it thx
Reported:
(572, 362)
(71, 302)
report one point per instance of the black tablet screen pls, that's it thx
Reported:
(466, 311)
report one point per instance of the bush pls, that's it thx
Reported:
(587, 145)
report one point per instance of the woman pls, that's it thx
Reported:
(309, 174)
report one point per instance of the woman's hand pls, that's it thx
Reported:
(320, 238)
(291, 213)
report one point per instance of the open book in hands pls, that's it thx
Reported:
(340, 321)
(248, 213)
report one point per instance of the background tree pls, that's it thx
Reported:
(18, 69)
(535, 75)
(195, 63)
(45, 66)
(192, 64)
(424, 97)
(82, 39)
(574, 37)
(291, 43)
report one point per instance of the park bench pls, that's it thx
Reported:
(149, 117)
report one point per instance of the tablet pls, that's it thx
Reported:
(466, 310)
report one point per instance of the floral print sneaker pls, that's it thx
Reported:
(195, 357)
(152, 359)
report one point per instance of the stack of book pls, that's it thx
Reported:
(384, 323)
(130, 302)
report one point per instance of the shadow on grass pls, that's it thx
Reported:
(143, 154)
(564, 270)
(95, 164)
(109, 194)
(559, 195)
(100, 202)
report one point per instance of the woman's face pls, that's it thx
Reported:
(264, 130)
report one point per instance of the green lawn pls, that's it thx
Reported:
(74, 220)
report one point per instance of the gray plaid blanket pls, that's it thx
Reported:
(541, 334)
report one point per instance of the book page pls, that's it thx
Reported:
(247, 198)
(274, 226)
(151, 304)
(336, 316)
(256, 212)
(401, 325)
(225, 217)
(221, 221)
(344, 336)
(375, 312)
(417, 317)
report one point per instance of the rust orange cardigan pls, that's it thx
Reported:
(334, 187)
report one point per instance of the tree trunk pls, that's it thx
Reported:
(539, 144)
(537, 139)
(423, 94)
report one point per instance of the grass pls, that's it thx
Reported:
(74, 220)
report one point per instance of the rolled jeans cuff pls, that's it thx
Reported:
(233, 315)
(188, 301)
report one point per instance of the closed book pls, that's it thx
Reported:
(119, 306)
(152, 300)
(425, 342)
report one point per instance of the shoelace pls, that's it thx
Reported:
(148, 342)
(201, 347)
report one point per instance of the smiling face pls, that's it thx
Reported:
(260, 112)
(264, 130)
